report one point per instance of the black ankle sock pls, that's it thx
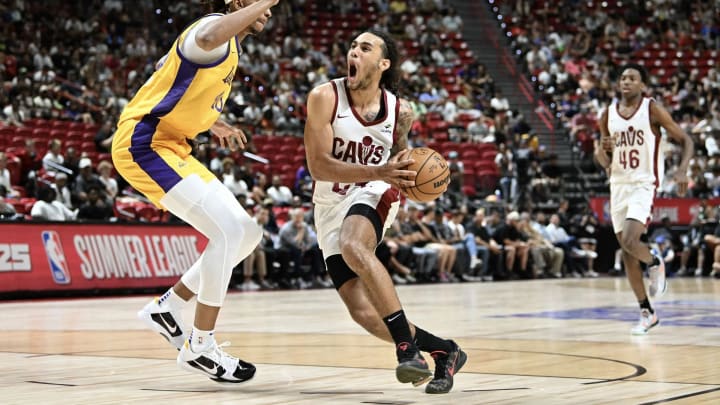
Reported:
(399, 329)
(427, 342)
(645, 304)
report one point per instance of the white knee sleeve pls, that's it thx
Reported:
(232, 234)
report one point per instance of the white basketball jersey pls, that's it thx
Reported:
(636, 157)
(358, 141)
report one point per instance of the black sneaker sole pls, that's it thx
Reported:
(224, 381)
(409, 374)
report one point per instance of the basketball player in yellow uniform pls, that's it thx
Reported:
(184, 97)
(356, 145)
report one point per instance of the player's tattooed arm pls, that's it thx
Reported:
(406, 116)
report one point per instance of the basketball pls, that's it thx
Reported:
(433, 175)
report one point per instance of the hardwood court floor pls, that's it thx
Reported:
(531, 342)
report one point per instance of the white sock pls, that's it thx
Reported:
(172, 299)
(201, 339)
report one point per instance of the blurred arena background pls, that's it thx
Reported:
(509, 91)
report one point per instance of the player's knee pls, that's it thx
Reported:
(352, 252)
(238, 231)
(628, 242)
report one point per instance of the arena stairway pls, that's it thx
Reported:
(487, 40)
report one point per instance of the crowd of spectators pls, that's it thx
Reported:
(83, 61)
(571, 51)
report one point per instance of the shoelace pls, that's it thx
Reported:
(226, 360)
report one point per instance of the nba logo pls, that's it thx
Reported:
(56, 257)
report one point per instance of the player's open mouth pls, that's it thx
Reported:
(352, 71)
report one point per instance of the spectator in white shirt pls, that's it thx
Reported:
(234, 181)
(62, 190)
(111, 187)
(5, 174)
(452, 21)
(557, 233)
(53, 157)
(280, 194)
(46, 208)
(499, 102)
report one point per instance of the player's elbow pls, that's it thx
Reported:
(319, 169)
(318, 173)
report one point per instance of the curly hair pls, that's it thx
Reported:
(639, 68)
(391, 77)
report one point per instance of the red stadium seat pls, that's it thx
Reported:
(74, 136)
(60, 125)
(87, 147)
(487, 179)
(488, 155)
(41, 134)
(24, 132)
(20, 190)
(76, 126)
(485, 165)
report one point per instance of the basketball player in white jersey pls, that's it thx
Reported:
(630, 132)
(356, 140)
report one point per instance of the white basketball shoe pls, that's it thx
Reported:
(658, 282)
(213, 362)
(647, 321)
(164, 320)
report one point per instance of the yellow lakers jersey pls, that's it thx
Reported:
(182, 97)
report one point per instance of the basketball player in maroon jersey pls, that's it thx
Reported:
(355, 141)
(630, 151)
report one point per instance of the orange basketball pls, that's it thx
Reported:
(433, 175)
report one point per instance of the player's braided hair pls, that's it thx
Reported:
(391, 77)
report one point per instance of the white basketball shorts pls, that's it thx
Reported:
(329, 218)
(631, 201)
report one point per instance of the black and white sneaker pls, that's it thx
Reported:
(213, 362)
(167, 322)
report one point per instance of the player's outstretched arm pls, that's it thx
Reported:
(219, 31)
